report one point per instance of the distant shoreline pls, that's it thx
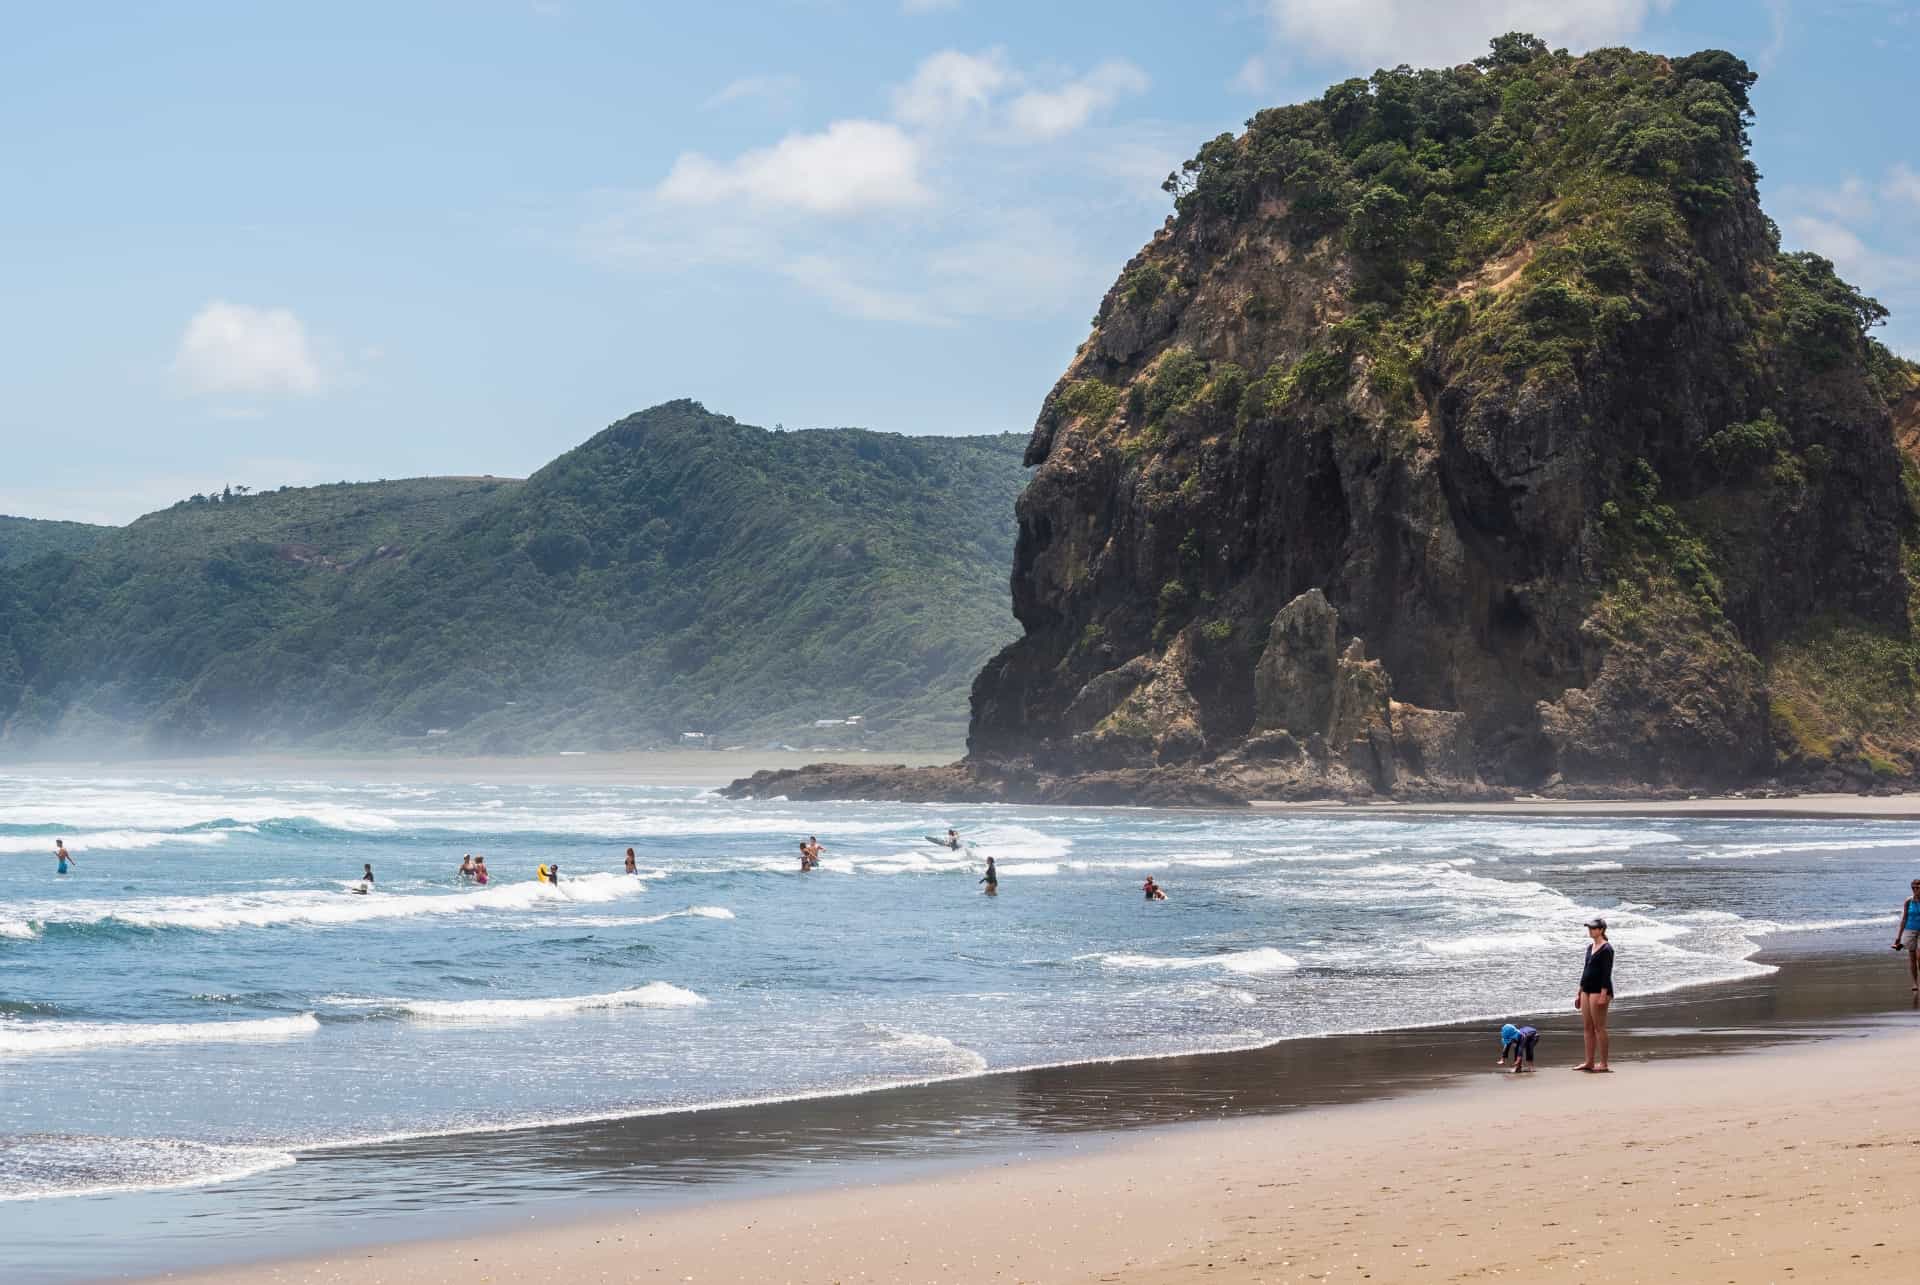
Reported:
(632, 767)
(1895, 807)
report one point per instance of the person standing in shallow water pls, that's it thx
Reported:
(62, 856)
(632, 867)
(1905, 937)
(1596, 996)
(991, 879)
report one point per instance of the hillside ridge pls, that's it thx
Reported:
(679, 571)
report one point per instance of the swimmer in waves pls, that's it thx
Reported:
(1153, 891)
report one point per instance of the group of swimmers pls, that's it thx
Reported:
(472, 869)
(810, 851)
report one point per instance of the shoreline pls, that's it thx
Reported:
(957, 1131)
(1424, 1096)
(1880, 807)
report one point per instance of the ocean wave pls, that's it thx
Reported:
(1590, 866)
(113, 841)
(1263, 959)
(41, 1165)
(328, 909)
(1486, 944)
(55, 1037)
(18, 930)
(961, 1059)
(652, 995)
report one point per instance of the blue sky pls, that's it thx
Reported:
(269, 244)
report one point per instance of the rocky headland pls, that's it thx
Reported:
(1464, 432)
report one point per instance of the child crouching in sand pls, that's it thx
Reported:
(1519, 1041)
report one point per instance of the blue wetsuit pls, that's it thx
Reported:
(1522, 1043)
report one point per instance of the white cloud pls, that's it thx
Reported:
(1851, 202)
(1902, 185)
(235, 348)
(951, 86)
(851, 166)
(777, 90)
(1252, 77)
(1038, 115)
(838, 284)
(1445, 32)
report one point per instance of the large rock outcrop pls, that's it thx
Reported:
(1468, 431)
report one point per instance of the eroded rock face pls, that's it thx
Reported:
(1252, 546)
(1455, 439)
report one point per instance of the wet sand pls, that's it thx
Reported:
(1782, 1095)
(1765, 1166)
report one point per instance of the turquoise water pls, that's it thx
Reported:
(203, 996)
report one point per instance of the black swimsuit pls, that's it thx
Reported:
(1597, 976)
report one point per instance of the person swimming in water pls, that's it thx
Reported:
(61, 855)
(632, 867)
(953, 839)
(991, 879)
(466, 868)
(479, 869)
(1153, 891)
(806, 857)
(366, 874)
(540, 873)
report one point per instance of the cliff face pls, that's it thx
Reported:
(1468, 429)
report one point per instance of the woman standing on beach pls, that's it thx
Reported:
(1596, 996)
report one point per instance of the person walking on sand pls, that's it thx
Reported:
(632, 867)
(991, 879)
(62, 856)
(1596, 996)
(1906, 937)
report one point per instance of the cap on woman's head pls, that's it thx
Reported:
(1597, 922)
(1509, 1033)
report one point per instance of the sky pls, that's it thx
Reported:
(286, 244)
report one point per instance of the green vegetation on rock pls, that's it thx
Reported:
(1506, 360)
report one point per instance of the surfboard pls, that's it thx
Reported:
(938, 842)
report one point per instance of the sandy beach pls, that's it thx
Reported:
(1793, 1163)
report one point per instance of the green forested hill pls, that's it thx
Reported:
(24, 539)
(680, 571)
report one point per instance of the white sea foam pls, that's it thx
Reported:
(1486, 944)
(40, 1165)
(18, 1037)
(652, 995)
(1599, 865)
(18, 929)
(1263, 959)
(325, 909)
(114, 841)
(958, 1057)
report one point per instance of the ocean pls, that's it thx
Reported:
(204, 998)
